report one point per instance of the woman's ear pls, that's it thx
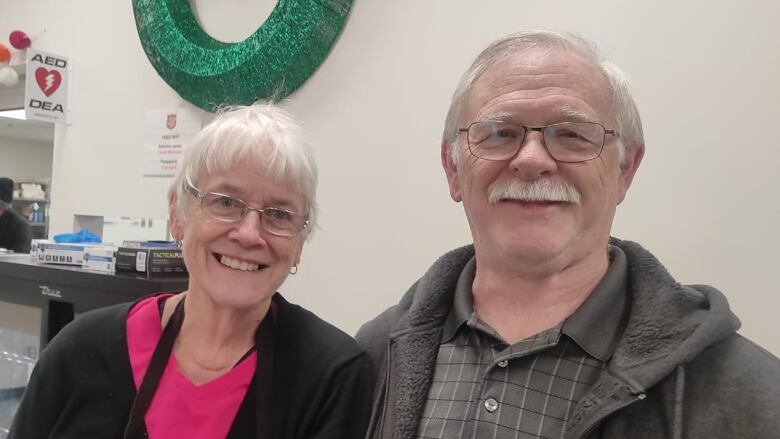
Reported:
(176, 224)
(298, 252)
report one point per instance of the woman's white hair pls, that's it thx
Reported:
(263, 136)
(629, 124)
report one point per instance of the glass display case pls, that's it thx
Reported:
(37, 300)
(19, 340)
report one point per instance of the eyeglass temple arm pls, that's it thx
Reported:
(193, 190)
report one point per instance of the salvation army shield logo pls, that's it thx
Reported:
(171, 122)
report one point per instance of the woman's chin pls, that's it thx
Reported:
(235, 295)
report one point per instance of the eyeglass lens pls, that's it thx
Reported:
(275, 220)
(568, 141)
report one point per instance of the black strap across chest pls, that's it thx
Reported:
(264, 341)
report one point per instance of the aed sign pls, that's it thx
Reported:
(47, 87)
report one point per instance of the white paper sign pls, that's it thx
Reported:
(166, 134)
(47, 87)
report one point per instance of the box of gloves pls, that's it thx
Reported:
(153, 258)
(99, 258)
(50, 252)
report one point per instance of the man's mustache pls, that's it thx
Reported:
(536, 190)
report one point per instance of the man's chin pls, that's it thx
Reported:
(535, 243)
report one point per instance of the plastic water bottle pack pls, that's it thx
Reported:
(18, 355)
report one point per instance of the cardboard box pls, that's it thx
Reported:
(34, 247)
(150, 261)
(150, 244)
(100, 258)
(50, 252)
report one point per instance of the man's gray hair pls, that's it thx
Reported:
(263, 136)
(629, 124)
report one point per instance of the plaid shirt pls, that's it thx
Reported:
(484, 388)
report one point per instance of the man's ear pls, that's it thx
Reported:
(176, 224)
(634, 154)
(451, 170)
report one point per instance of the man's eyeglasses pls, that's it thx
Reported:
(223, 207)
(567, 142)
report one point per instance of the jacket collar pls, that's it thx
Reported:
(668, 324)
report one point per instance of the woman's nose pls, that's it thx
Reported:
(249, 232)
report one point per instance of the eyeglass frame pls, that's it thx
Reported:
(199, 195)
(540, 129)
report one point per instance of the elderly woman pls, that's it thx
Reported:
(229, 357)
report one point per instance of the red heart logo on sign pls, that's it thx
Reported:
(48, 80)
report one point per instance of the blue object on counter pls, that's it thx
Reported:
(80, 236)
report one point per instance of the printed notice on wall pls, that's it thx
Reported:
(166, 134)
(47, 87)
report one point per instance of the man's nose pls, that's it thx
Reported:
(533, 160)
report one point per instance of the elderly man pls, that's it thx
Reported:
(15, 231)
(546, 327)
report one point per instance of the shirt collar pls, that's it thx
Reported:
(595, 326)
(462, 305)
(599, 322)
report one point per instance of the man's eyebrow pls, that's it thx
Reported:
(566, 112)
(498, 117)
(574, 115)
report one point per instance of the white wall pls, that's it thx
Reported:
(25, 160)
(706, 75)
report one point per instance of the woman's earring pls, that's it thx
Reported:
(294, 269)
(178, 243)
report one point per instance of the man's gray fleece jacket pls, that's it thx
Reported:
(679, 370)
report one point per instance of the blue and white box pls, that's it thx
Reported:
(60, 253)
(100, 258)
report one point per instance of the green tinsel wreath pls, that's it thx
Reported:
(273, 62)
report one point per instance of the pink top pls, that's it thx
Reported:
(179, 407)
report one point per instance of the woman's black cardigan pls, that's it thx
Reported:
(82, 386)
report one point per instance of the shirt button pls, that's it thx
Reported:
(491, 405)
(503, 363)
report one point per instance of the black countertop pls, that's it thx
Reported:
(26, 282)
